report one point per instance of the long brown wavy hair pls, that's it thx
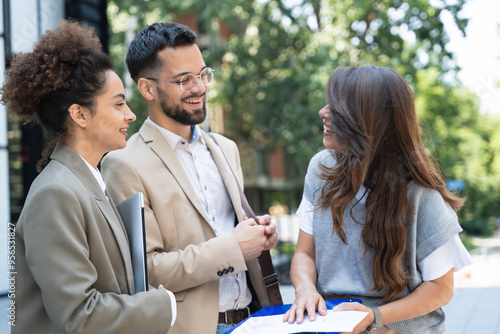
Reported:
(373, 117)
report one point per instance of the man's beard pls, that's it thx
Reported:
(180, 115)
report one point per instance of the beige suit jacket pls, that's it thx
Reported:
(183, 253)
(74, 272)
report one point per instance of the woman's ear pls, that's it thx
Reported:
(79, 115)
(147, 88)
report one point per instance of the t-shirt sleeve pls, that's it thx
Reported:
(312, 182)
(305, 213)
(312, 189)
(451, 255)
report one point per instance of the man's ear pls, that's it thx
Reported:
(78, 114)
(147, 88)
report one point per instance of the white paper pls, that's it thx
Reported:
(333, 321)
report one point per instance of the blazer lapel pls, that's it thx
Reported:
(227, 172)
(162, 149)
(75, 163)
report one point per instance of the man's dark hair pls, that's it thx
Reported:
(142, 55)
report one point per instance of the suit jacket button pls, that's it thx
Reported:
(219, 273)
(225, 271)
(230, 269)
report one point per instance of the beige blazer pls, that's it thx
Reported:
(183, 253)
(74, 272)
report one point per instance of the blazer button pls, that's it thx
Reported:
(225, 271)
(230, 269)
(219, 273)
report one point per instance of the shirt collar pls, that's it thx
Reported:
(172, 138)
(96, 174)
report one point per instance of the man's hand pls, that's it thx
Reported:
(271, 234)
(251, 237)
(254, 238)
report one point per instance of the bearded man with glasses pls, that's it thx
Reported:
(191, 197)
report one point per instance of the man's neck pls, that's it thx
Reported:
(179, 129)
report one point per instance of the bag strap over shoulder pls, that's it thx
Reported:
(269, 276)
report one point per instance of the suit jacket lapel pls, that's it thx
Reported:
(162, 149)
(74, 162)
(227, 172)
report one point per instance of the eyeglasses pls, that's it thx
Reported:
(188, 81)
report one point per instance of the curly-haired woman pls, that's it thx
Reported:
(74, 272)
(377, 222)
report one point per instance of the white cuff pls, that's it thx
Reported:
(174, 306)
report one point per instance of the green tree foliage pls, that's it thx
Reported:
(466, 145)
(272, 73)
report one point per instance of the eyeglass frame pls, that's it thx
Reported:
(179, 82)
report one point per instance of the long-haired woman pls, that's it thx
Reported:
(377, 222)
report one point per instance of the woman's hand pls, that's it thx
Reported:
(303, 274)
(308, 301)
(367, 321)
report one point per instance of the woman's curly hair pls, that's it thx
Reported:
(67, 66)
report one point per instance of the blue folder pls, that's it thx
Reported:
(281, 309)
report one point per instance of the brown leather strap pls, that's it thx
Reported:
(233, 316)
(266, 265)
(334, 296)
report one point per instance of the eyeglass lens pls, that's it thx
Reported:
(188, 81)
